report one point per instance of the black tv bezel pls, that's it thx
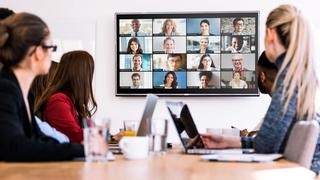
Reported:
(186, 92)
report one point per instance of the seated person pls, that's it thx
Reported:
(134, 46)
(69, 100)
(205, 28)
(39, 84)
(206, 63)
(267, 73)
(205, 77)
(170, 81)
(168, 45)
(169, 28)
(237, 83)
(204, 46)
(137, 62)
(135, 77)
(25, 52)
(135, 25)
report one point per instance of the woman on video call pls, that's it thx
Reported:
(289, 44)
(206, 63)
(170, 81)
(69, 97)
(236, 82)
(205, 28)
(169, 28)
(134, 46)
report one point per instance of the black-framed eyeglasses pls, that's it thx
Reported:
(53, 47)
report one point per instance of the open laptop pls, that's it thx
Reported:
(145, 123)
(192, 143)
(188, 132)
(151, 101)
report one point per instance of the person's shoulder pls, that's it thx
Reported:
(9, 87)
(60, 96)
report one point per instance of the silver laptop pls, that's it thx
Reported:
(188, 133)
(145, 124)
(151, 101)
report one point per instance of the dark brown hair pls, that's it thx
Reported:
(18, 33)
(41, 82)
(74, 77)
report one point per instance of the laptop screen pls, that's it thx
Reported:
(186, 128)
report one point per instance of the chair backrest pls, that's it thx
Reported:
(302, 142)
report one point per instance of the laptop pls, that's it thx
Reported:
(145, 123)
(189, 134)
(192, 143)
(144, 126)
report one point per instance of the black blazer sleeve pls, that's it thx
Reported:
(19, 144)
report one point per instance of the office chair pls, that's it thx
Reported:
(302, 142)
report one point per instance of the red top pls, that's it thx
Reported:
(61, 114)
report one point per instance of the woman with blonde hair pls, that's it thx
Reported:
(289, 45)
(169, 28)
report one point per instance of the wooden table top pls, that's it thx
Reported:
(170, 166)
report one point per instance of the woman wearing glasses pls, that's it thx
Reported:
(25, 52)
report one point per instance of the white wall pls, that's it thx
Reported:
(243, 112)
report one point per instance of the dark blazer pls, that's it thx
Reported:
(21, 140)
(208, 51)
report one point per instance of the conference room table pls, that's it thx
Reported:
(173, 165)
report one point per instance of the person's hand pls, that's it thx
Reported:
(220, 141)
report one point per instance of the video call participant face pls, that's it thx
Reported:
(235, 43)
(134, 46)
(205, 27)
(169, 27)
(174, 62)
(238, 25)
(169, 45)
(237, 61)
(206, 62)
(236, 76)
(204, 80)
(204, 43)
(135, 80)
(135, 25)
(169, 79)
(137, 61)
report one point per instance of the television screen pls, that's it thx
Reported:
(187, 54)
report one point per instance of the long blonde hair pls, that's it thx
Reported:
(296, 36)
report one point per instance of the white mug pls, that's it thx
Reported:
(134, 147)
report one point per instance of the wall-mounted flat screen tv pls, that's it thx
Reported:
(198, 54)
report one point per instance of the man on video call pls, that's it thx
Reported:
(238, 25)
(137, 62)
(174, 62)
(135, 25)
(135, 77)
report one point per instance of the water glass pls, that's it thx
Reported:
(158, 136)
(95, 139)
